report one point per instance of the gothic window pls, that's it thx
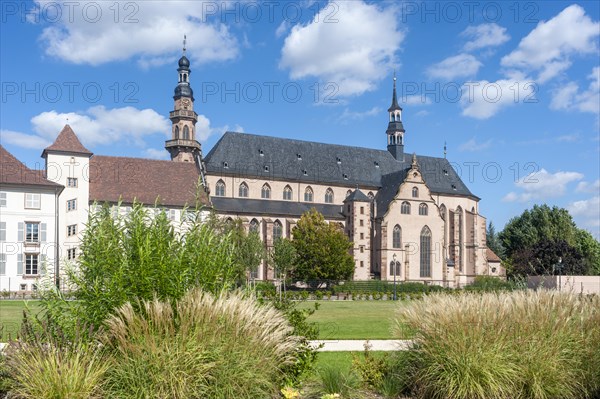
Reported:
(265, 193)
(460, 238)
(443, 212)
(243, 191)
(176, 132)
(254, 226)
(329, 196)
(423, 209)
(405, 208)
(397, 237)
(186, 133)
(287, 193)
(220, 189)
(277, 230)
(415, 192)
(308, 195)
(425, 249)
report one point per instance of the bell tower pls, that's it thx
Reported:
(183, 146)
(395, 130)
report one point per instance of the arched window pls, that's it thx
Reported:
(186, 132)
(308, 195)
(329, 196)
(443, 212)
(423, 209)
(459, 211)
(265, 192)
(220, 189)
(277, 230)
(254, 226)
(243, 191)
(395, 268)
(415, 192)
(287, 193)
(397, 237)
(348, 193)
(425, 249)
(176, 132)
(405, 208)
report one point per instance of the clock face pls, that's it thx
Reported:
(186, 102)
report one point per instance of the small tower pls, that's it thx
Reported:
(395, 130)
(183, 146)
(357, 209)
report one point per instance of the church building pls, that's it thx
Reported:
(410, 217)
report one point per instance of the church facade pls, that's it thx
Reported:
(410, 217)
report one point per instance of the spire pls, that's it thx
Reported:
(394, 105)
(445, 150)
(184, 41)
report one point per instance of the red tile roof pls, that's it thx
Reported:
(491, 256)
(13, 171)
(67, 141)
(114, 179)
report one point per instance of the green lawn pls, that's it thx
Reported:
(11, 314)
(339, 360)
(354, 319)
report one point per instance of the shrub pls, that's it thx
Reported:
(505, 345)
(204, 346)
(331, 381)
(49, 371)
(490, 283)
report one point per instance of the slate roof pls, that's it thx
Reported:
(115, 179)
(357, 196)
(14, 172)
(264, 157)
(491, 256)
(67, 141)
(240, 206)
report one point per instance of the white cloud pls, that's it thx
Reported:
(154, 153)
(422, 113)
(586, 187)
(282, 29)
(99, 125)
(24, 140)
(358, 115)
(484, 35)
(415, 100)
(547, 47)
(483, 99)
(587, 213)
(147, 30)
(569, 97)
(458, 66)
(355, 52)
(541, 185)
(473, 146)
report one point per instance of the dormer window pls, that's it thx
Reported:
(345, 176)
(225, 165)
(305, 172)
(338, 160)
(454, 187)
(376, 164)
(262, 154)
(266, 168)
(299, 157)
(445, 172)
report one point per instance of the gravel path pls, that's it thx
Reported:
(344, 345)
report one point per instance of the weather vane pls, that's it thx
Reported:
(184, 41)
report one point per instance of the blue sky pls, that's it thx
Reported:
(511, 87)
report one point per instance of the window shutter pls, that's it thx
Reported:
(19, 264)
(43, 265)
(21, 234)
(43, 232)
(2, 231)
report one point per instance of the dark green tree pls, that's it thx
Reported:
(548, 257)
(322, 248)
(493, 240)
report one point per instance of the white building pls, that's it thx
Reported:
(29, 220)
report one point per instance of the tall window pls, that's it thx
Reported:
(2, 200)
(423, 209)
(254, 226)
(425, 249)
(397, 237)
(308, 195)
(2, 231)
(265, 192)
(329, 196)
(460, 238)
(71, 253)
(220, 189)
(71, 230)
(31, 264)
(287, 193)
(277, 230)
(176, 132)
(415, 192)
(32, 201)
(186, 132)
(443, 212)
(32, 232)
(395, 268)
(243, 191)
(71, 182)
(405, 208)
(71, 205)
(2, 264)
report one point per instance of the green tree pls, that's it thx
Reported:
(548, 257)
(283, 257)
(322, 248)
(590, 249)
(493, 240)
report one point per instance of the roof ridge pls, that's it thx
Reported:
(67, 141)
